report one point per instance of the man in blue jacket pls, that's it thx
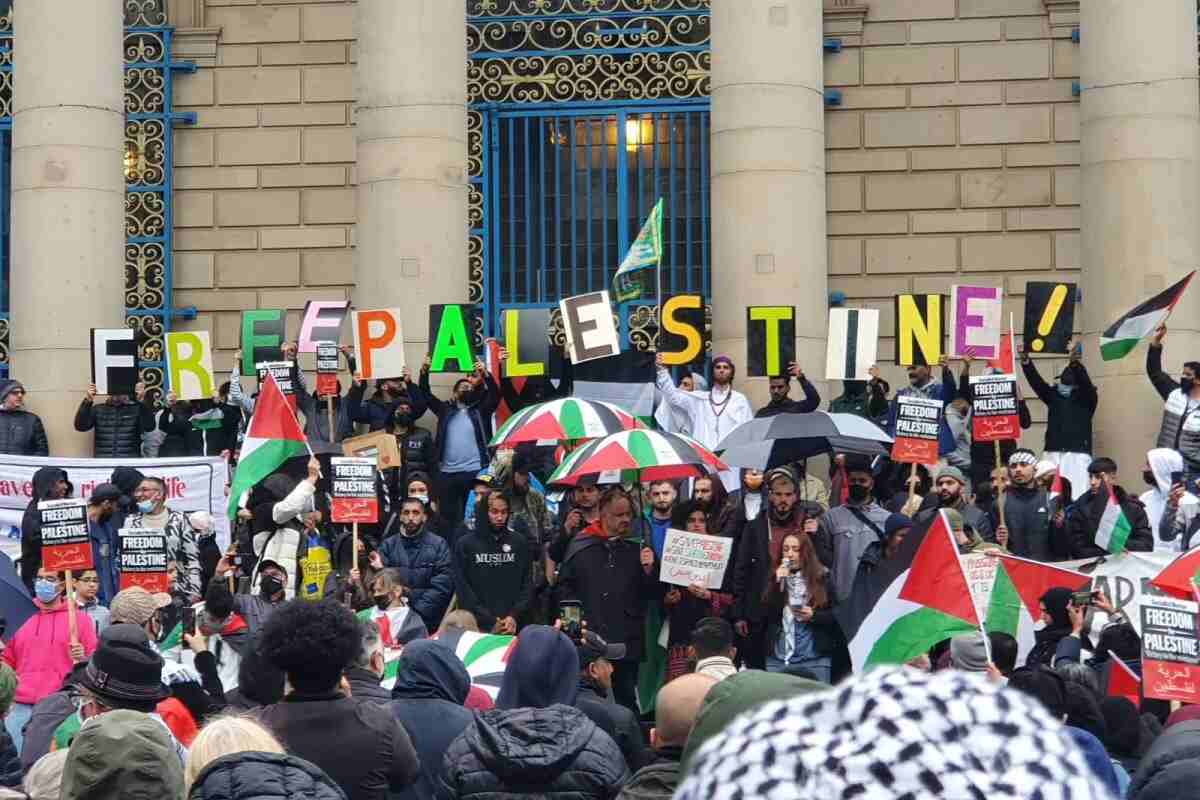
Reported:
(424, 561)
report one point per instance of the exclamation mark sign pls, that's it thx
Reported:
(1057, 298)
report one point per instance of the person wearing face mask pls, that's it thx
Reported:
(1180, 428)
(398, 623)
(846, 531)
(119, 422)
(922, 384)
(380, 411)
(1033, 528)
(494, 572)
(1173, 511)
(415, 445)
(867, 399)
(760, 547)
(41, 652)
(1084, 522)
(464, 429)
(1070, 405)
(183, 546)
(423, 559)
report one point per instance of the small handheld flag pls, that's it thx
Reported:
(1123, 335)
(646, 251)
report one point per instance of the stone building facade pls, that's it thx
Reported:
(866, 147)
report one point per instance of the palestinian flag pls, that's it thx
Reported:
(625, 381)
(1181, 576)
(1124, 334)
(1056, 488)
(646, 251)
(1114, 527)
(485, 655)
(1123, 681)
(926, 603)
(1016, 595)
(273, 437)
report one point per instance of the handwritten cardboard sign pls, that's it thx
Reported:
(379, 446)
(65, 543)
(143, 560)
(917, 422)
(695, 558)
(354, 498)
(994, 415)
(1170, 650)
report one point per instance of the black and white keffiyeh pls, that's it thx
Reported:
(895, 733)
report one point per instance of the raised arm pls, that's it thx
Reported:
(1163, 383)
(1043, 390)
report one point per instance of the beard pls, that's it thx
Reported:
(946, 501)
(781, 514)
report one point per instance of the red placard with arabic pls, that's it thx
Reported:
(917, 422)
(143, 559)
(354, 498)
(65, 541)
(994, 415)
(1170, 650)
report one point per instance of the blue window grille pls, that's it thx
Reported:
(583, 113)
(149, 119)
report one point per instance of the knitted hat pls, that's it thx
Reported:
(949, 471)
(968, 653)
(891, 733)
(136, 605)
(896, 523)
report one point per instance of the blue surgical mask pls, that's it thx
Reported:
(145, 506)
(1064, 390)
(45, 590)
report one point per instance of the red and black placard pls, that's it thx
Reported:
(354, 497)
(143, 560)
(65, 542)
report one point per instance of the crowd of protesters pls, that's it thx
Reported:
(298, 621)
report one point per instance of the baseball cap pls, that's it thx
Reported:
(136, 605)
(103, 492)
(592, 646)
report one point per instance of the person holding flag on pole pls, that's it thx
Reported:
(1107, 520)
(1180, 429)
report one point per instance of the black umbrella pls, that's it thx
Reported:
(785, 438)
(16, 605)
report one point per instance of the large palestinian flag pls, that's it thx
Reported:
(922, 605)
(1124, 334)
(1016, 595)
(1181, 577)
(272, 438)
(485, 655)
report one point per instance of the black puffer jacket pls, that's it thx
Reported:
(21, 433)
(11, 773)
(119, 428)
(528, 753)
(1084, 522)
(263, 776)
(1171, 767)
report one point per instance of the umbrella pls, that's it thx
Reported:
(564, 420)
(784, 438)
(16, 605)
(651, 455)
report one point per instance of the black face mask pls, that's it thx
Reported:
(1148, 477)
(382, 601)
(269, 586)
(404, 420)
(859, 493)
(1186, 384)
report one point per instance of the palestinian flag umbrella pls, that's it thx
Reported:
(1179, 578)
(769, 442)
(565, 420)
(650, 455)
(1016, 594)
(1123, 335)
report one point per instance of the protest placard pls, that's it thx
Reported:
(263, 330)
(681, 341)
(853, 341)
(1170, 650)
(994, 414)
(917, 421)
(526, 340)
(770, 340)
(1049, 316)
(143, 560)
(189, 364)
(114, 361)
(380, 447)
(281, 371)
(920, 329)
(322, 322)
(327, 369)
(450, 347)
(65, 542)
(975, 321)
(379, 343)
(354, 498)
(589, 326)
(695, 558)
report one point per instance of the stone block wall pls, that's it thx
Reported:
(954, 155)
(264, 201)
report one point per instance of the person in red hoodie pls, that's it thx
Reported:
(41, 652)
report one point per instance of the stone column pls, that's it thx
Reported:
(768, 174)
(1139, 130)
(68, 202)
(412, 160)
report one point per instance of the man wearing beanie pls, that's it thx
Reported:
(714, 413)
(21, 432)
(968, 653)
(950, 492)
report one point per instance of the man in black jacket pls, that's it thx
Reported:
(357, 742)
(613, 577)
(494, 575)
(119, 422)
(415, 444)
(49, 483)
(1031, 529)
(377, 412)
(596, 658)
(782, 404)
(364, 674)
(21, 432)
(1085, 518)
(463, 432)
(1070, 405)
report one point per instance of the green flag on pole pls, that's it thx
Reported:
(646, 251)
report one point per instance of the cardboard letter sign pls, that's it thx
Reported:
(262, 337)
(1049, 316)
(681, 340)
(114, 361)
(1170, 649)
(189, 364)
(994, 415)
(527, 342)
(853, 340)
(379, 447)
(975, 321)
(379, 343)
(327, 369)
(695, 558)
(770, 340)
(143, 559)
(450, 338)
(920, 329)
(65, 541)
(322, 322)
(917, 422)
(591, 332)
(354, 498)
